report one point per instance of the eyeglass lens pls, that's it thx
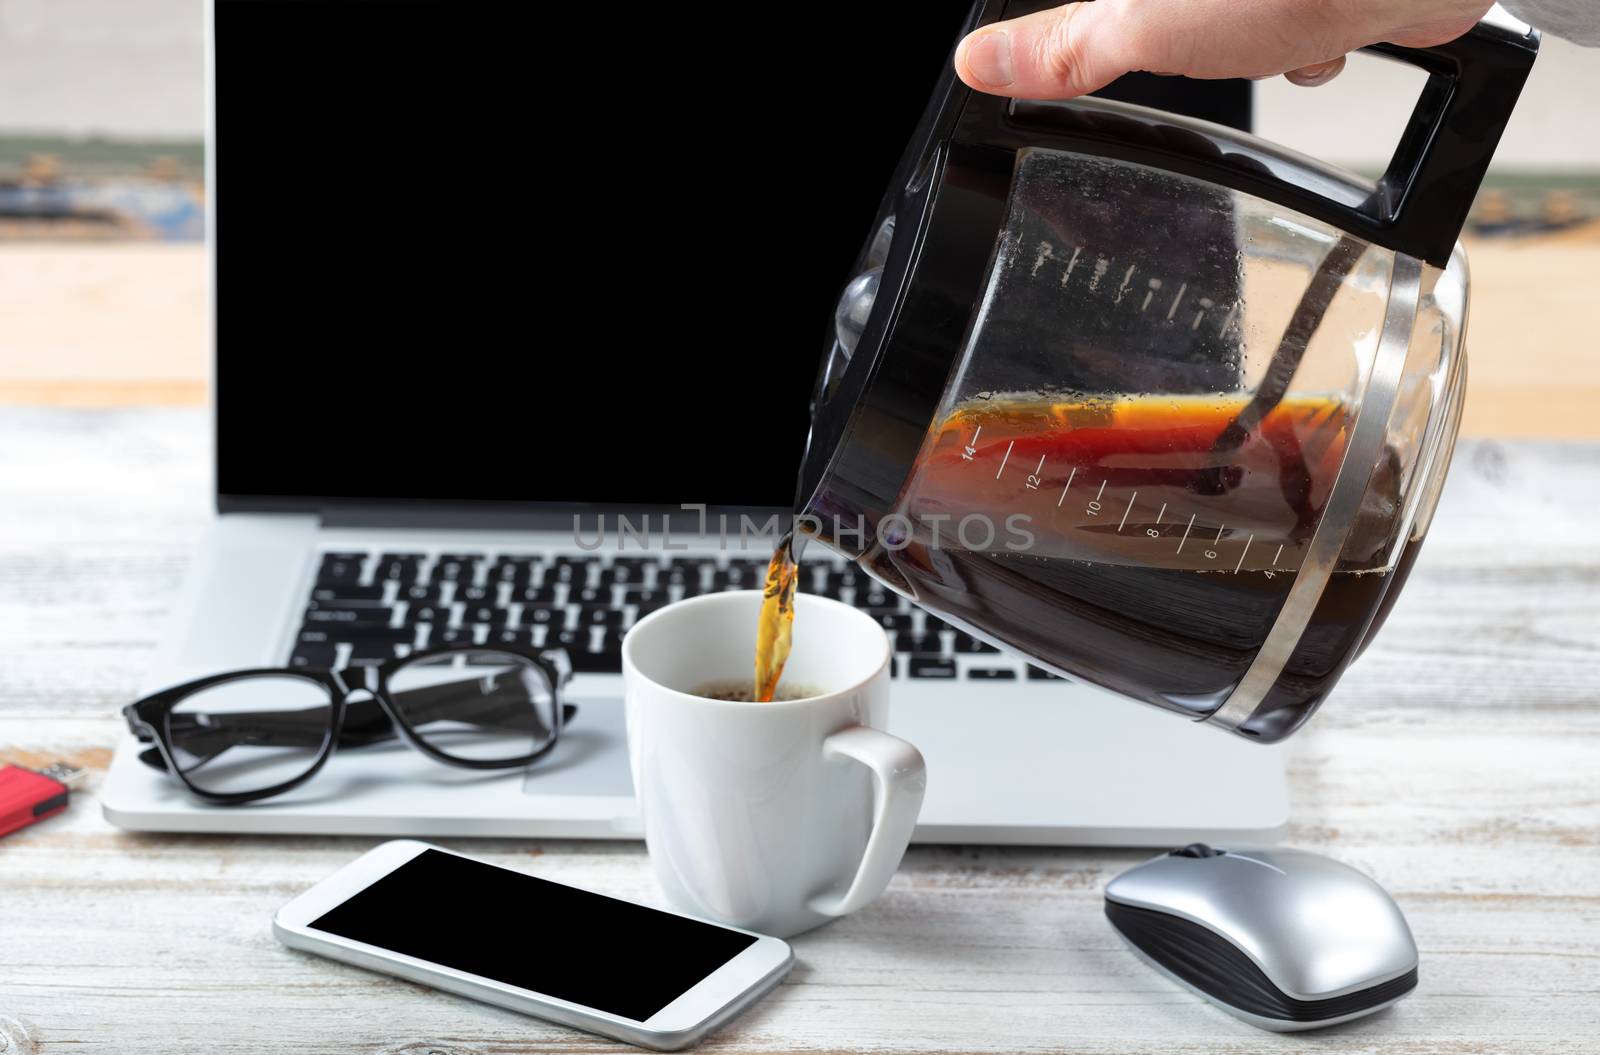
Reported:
(249, 734)
(482, 706)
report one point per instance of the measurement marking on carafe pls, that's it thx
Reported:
(1094, 507)
(1155, 531)
(1127, 278)
(1155, 284)
(1242, 552)
(1070, 477)
(1220, 530)
(1232, 313)
(1007, 458)
(971, 450)
(1036, 478)
(1276, 555)
(1046, 252)
(1186, 532)
(1183, 289)
(1077, 250)
(1125, 512)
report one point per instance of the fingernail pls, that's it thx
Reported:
(989, 58)
(1311, 76)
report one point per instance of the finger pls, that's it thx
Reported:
(1316, 73)
(1055, 54)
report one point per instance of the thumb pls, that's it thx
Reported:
(1055, 54)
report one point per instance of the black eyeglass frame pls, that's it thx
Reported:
(148, 718)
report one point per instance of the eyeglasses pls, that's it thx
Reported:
(252, 734)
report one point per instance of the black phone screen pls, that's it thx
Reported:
(586, 948)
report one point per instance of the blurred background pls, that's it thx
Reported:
(102, 198)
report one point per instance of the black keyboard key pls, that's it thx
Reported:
(312, 657)
(893, 620)
(535, 595)
(591, 597)
(966, 643)
(462, 558)
(488, 615)
(596, 662)
(1035, 674)
(516, 574)
(511, 638)
(421, 594)
(347, 593)
(319, 636)
(641, 596)
(386, 635)
(942, 669)
(335, 572)
(371, 654)
(438, 615)
(894, 666)
(324, 615)
(543, 615)
(461, 635)
(475, 595)
(449, 570)
(877, 599)
(991, 674)
(608, 617)
(621, 575)
(574, 641)
(932, 624)
(401, 570)
(736, 579)
(569, 570)
(636, 563)
(919, 644)
(347, 555)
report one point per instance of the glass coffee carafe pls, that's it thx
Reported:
(1157, 404)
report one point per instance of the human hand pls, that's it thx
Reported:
(1075, 49)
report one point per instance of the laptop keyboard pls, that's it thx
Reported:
(369, 607)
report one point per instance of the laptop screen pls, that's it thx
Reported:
(480, 253)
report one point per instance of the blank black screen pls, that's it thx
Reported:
(539, 252)
(563, 942)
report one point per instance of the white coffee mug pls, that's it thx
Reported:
(775, 817)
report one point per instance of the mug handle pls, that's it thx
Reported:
(899, 779)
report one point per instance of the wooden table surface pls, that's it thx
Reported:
(1459, 764)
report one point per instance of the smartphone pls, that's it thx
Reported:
(657, 979)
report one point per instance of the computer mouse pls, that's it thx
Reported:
(1283, 939)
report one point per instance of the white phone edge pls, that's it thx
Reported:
(709, 1004)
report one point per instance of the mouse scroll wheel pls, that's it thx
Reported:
(1197, 850)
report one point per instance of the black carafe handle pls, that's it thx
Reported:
(1418, 206)
(1425, 194)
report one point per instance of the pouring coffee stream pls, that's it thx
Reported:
(775, 628)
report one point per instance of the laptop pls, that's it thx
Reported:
(477, 307)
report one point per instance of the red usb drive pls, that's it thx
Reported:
(27, 797)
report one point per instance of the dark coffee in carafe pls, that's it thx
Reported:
(1123, 572)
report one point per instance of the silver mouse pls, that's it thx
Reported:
(1283, 939)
